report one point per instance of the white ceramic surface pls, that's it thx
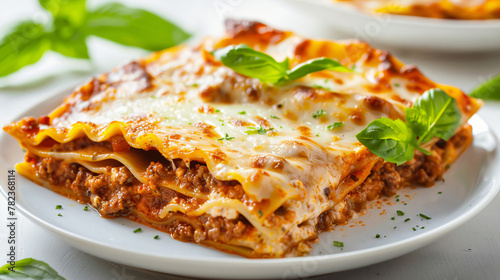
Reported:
(470, 185)
(404, 32)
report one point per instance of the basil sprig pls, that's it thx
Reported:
(29, 269)
(72, 24)
(254, 64)
(435, 113)
(490, 90)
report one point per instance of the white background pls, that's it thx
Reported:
(470, 252)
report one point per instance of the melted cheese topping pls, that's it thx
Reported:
(186, 105)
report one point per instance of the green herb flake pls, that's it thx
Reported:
(318, 114)
(424, 216)
(226, 137)
(377, 235)
(242, 112)
(256, 130)
(217, 111)
(86, 208)
(137, 230)
(422, 227)
(274, 117)
(317, 135)
(414, 229)
(58, 206)
(395, 227)
(24, 150)
(400, 213)
(407, 220)
(335, 125)
(60, 215)
(260, 213)
(338, 244)
(393, 218)
(396, 85)
(156, 237)
(440, 192)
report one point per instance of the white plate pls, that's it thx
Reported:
(405, 32)
(470, 185)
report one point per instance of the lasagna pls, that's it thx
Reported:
(444, 9)
(181, 143)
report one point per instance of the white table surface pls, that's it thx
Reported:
(470, 252)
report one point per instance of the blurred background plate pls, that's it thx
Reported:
(404, 32)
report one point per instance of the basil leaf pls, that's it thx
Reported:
(73, 11)
(133, 27)
(315, 65)
(435, 113)
(489, 90)
(29, 269)
(68, 40)
(25, 45)
(252, 63)
(389, 139)
(255, 64)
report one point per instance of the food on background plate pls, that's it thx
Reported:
(251, 143)
(444, 9)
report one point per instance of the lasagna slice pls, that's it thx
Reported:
(181, 143)
(444, 9)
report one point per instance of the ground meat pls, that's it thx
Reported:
(117, 193)
(386, 178)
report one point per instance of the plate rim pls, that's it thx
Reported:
(422, 238)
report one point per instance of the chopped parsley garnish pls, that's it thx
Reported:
(440, 192)
(58, 206)
(397, 199)
(424, 216)
(395, 227)
(217, 111)
(396, 85)
(339, 244)
(225, 137)
(242, 112)
(256, 130)
(353, 67)
(86, 208)
(377, 236)
(400, 213)
(321, 87)
(317, 135)
(318, 114)
(274, 117)
(260, 213)
(60, 215)
(393, 218)
(156, 237)
(137, 230)
(24, 150)
(414, 229)
(422, 227)
(407, 220)
(335, 125)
